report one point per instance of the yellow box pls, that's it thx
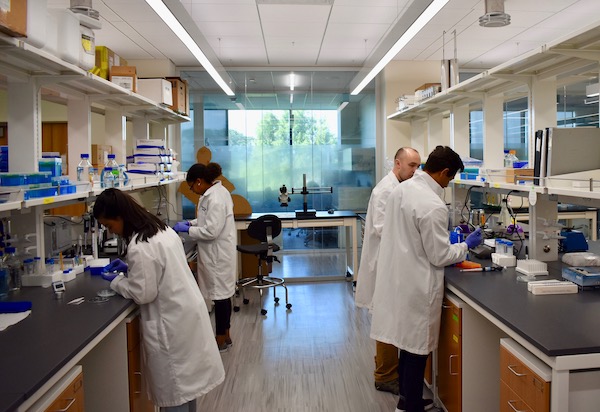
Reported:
(124, 76)
(105, 59)
(13, 17)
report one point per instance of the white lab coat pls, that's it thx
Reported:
(365, 280)
(216, 236)
(180, 353)
(414, 250)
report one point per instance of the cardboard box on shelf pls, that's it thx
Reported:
(522, 175)
(124, 76)
(180, 95)
(13, 17)
(158, 90)
(100, 154)
(105, 59)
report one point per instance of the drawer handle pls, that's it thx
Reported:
(68, 406)
(510, 403)
(138, 374)
(446, 306)
(510, 367)
(450, 364)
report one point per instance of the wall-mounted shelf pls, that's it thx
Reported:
(61, 81)
(575, 56)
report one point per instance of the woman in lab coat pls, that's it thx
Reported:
(179, 352)
(216, 236)
(414, 250)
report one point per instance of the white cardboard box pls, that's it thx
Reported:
(158, 90)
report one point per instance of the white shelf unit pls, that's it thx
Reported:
(37, 74)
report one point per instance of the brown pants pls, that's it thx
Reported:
(386, 362)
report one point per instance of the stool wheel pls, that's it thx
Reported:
(236, 308)
(288, 306)
(263, 312)
(276, 300)
(246, 301)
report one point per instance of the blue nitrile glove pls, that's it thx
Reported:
(474, 239)
(182, 226)
(109, 275)
(116, 265)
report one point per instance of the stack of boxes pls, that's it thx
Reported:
(150, 157)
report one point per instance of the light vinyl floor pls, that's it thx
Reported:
(315, 357)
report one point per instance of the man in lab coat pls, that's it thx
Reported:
(406, 161)
(414, 250)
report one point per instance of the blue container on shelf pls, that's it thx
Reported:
(66, 189)
(51, 164)
(13, 179)
(39, 178)
(37, 192)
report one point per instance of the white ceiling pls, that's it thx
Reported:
(271, 35)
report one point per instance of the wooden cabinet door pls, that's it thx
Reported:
(71, 399)
(450, 358)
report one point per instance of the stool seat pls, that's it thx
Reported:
(258, 249)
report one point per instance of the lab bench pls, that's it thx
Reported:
(560, 330)
(38, 351)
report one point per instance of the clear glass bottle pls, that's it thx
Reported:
(513, 157)
(108, 178)
(84, 169)
(507, 161)
(116, 169)
(4, 277)
(15, 269)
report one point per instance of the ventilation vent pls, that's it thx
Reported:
(494, 14)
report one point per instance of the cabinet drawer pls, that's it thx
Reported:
(510, 402)
(71, 399)
(516, 371)
(133, 333)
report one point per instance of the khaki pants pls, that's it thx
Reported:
(386, 362)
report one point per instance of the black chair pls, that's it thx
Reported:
(264, 229)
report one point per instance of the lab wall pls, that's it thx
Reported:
(402, 78)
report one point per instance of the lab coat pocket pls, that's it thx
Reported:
(152, 337)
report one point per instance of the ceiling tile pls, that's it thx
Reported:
(364, 14)
(224, 12)
(225, 29)
(293, 13)
(292, 29)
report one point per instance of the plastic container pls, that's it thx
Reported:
(507, 161)
(108, 178)
(28, 267)
(50, 266)
(14, 268)
(52, 165)
(87, 49)
(39, 269)
(13, 179)
(4, 276)
(84, 169)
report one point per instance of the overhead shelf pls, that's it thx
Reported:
(569, 59)
(61, 81)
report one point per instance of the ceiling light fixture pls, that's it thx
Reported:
(592, 90)
(292, 81)
(176, 27)
(415, 27)
(494, 14)
(240, 106)
(342, 105)
(291, 98)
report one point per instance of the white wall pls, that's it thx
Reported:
(402, 78)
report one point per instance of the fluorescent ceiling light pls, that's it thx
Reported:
(240, 106)
(418, 24)
(291, 98)
(592, 90)
(342, 105)
(292, 79)
(176, 27)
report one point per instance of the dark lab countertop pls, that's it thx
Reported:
(36, 348)
(555, 324)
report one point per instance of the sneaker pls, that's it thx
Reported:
(221, 343)
(427, 405)
(391, 386)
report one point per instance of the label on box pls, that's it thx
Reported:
(125, 82)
